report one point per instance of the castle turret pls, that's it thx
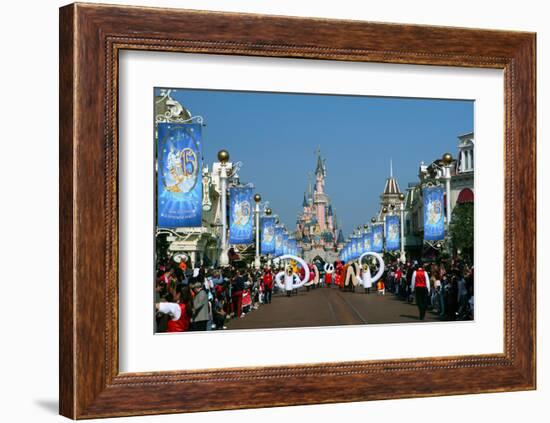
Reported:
(391, 192)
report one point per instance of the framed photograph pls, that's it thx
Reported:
(291, 211)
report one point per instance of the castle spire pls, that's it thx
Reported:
(320, 169)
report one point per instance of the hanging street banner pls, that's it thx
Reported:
(279, 239)
(293, 246)
(286, 244)
(359, 247)
(179, 176)
(393, 241)
(241, 222)
(367, 242)
(377, 238)
(434, 222)
(267, 245)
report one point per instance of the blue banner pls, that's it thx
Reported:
(393, 241)
(434, 222)
(286, 244)
(293, 246)
(377, 238)
(267, 243)
(278, 241)
(367, 242)
(241, 216)
(356, 245)
(179, 176)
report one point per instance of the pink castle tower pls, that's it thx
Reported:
(320, 199)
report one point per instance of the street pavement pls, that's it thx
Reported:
(329, 307)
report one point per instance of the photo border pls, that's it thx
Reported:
(91, 36)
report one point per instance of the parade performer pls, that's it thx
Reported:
(316, 276)
(340, 273)
(329, 270)
(267, 281)
(351, 276)
(366, 278)
(311, 280)
(291, 279)
(421, 288)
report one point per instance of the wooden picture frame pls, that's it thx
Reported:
(91, 36)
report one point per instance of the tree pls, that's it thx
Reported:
(462, 228)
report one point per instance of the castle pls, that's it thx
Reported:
(317, 230)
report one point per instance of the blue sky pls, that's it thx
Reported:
(276, 137)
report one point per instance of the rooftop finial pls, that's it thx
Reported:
(391, 168)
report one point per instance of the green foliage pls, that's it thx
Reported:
(462, 227)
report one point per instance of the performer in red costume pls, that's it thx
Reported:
(340, 274)
(328, 278)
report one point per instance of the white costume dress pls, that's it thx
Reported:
(289, 281)
(366, 278)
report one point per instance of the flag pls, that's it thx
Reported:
(241, 222)
(179, 176)
(377, 238)
(279, 240)
(434, 222)
(393, 241)
(268, 235)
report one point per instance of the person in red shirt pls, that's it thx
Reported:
(267, 280)
(420, 285)
(180, 312)
(397, 279)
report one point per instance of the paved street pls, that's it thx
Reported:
(329, 307)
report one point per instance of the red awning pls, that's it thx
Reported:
(465, 196)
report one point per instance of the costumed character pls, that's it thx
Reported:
(316, 275)
(367, 280)
(329, 270)
(340, 274)
(291, 279)
(352, 276)
(311, 280)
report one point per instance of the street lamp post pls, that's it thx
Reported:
(447, 160)
(268, 213)
(257, 199)
(384, 212)
(401, 226)
(223, 157)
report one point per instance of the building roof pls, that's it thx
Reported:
(327, 236)
(304, 203)
(391, 186)
(340, 239)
